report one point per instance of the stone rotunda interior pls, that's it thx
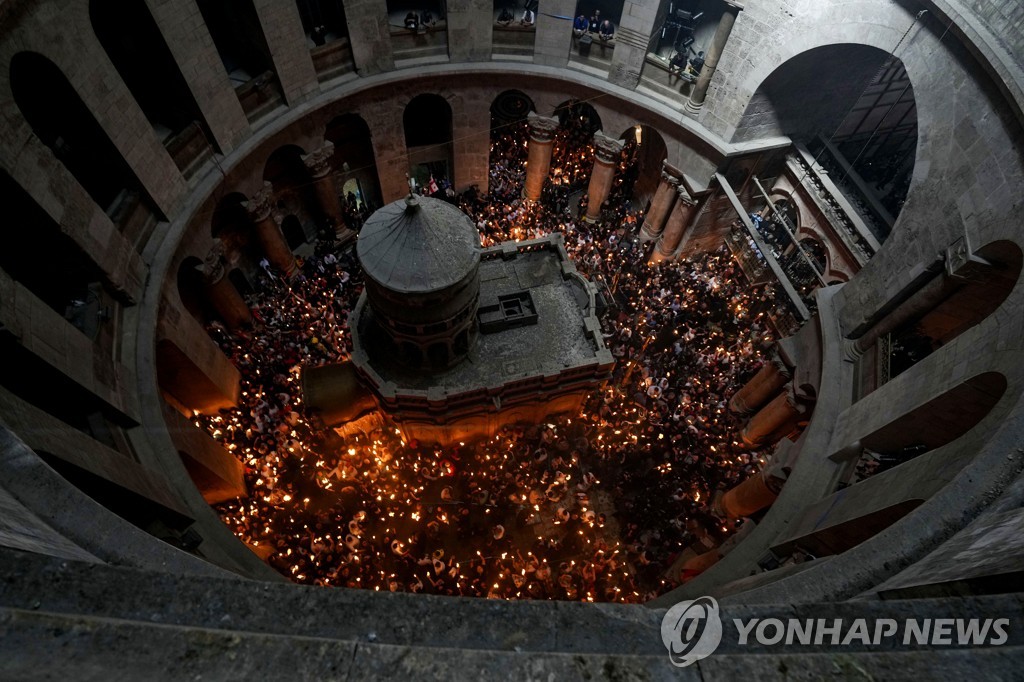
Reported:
(703, 299)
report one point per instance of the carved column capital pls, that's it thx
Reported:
(542, 128)
(606, 150)
(670, 174)
(260, 203)
(319, 160)
(684, 196)
(213, 264)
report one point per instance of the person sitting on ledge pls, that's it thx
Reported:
(580, 26)
(677, 63)
(529, 17)
(607, 30)
(505, 18)
(412, 22)
(697, 63)
(427, 18)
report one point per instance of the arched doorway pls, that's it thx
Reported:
(509, 147)
(859, 121)
(354, 160)
(428, 137)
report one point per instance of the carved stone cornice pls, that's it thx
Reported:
(260, 203)
(542, 128)
(319, 161)
(606, 150)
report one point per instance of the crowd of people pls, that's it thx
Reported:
(596, 506)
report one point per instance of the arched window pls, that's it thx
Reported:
(644, 150)
(863, 104)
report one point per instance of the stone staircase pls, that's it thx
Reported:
(61, 618)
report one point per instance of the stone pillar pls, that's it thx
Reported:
(678, 222)
(775, 420)
(193, 50)
(293, 65)
(554, 33)
(631, 41)
(749, 497)
(470, 29)
(370, 36)
(223, 295)
(700, 90)
(662, 204)
(538, 163)
(268, 232)
(607, 153)
(760, 389)
(318, 164)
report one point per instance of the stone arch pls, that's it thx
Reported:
(353, 155)
(427, 122)
(293, 232)
(896, 467)
(62, 121)
(293, 188)
(645, 150)
(231, 224)
(510, 106)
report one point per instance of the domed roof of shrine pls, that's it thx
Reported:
(418, 245)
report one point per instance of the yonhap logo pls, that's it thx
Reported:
(691, 630)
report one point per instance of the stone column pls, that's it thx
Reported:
(470, 29)
(318, 164)
(760, 389)
(662, 204)
(607, 153)
(678, 222)
(370, 36)
(196, 55)
(775, 420)
(725, 24)
(223, 295)
(293, 65)
(554, 32)
(632, 38)
(268, 232)
(538, 163)
(749, 497)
